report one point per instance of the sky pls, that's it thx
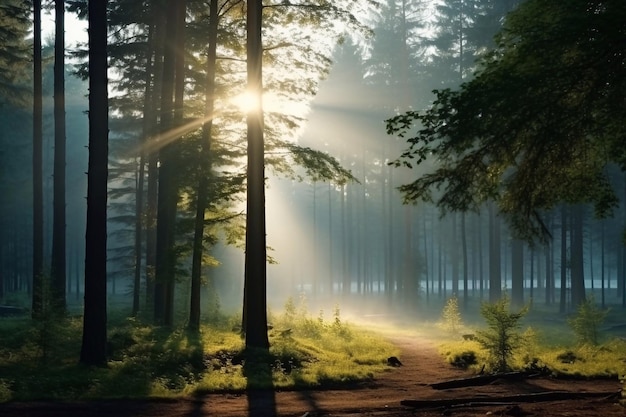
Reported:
(75, 29)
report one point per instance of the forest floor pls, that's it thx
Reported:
(381, 397)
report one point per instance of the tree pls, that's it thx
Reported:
(167, 188)
(58, 267)
(517, 273)
(127, 54)
(501, 337)
(587, 321)
(37, 164)
(536, 126)
(317, 165)
(15, 94)
(14, 51)
(255, 279)
(204, 168)
(93, 350)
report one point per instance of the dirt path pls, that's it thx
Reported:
(381, 398)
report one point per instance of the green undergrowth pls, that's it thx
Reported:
(148, 361)
(607, 360)
(548, 344)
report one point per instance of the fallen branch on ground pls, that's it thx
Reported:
(534, 397)
(481, 380)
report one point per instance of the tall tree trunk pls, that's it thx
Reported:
(563, 294)
(623, 277)
(517, 273)
(577, 257)
(440, 277)
(329, 291)
(454, 255)
(531, 277)
(139, 184)
(255, 275)
(140, 207)
(495, 279)
(465, 263)
(165, 258)
(390, 270)
(345, 276)
(602, 266)
(172, 201)
(58, 267)
(428, 265)
(204, 170)
(37, 165)
(481, 276)
(410, 274)
(93, 350)
(150, 131)
(550, 284)
(315, 284)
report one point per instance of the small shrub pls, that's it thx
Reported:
(5, 391)
(464, 360)
(451, 316)
(501, 338)
(567, 357)
(587, 321)
(290, 311)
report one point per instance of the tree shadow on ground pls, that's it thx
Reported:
(257, 369)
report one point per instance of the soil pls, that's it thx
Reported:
(381, 397)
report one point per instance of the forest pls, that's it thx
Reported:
(184, 164)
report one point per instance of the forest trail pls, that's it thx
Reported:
(380, 397)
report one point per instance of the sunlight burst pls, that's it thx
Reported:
(247, 102)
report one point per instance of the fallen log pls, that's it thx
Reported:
(533, 397)
(480, 380)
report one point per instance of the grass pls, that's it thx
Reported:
(549, 344)
(147, 361)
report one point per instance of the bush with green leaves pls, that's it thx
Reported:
(587, 321)
(502, 337)
(451, 316)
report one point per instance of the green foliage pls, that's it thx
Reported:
(466, 354)
(501, 338)
(451, 316)
(605, 360)
(5, 391)
(14, 51)
(505, 135)
(148, 361)
(587, 321)
(464, 359)
(548, 347)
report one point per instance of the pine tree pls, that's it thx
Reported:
(93, 350)
(14, 50)
(501, 337)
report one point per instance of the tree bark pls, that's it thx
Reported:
(479, 380)
(93, 350)
(495, 280)
(563, 293)
(204, 170)
(255, 279)
(165, 259)
(151, 129)
(37, 165)
(517, 273)
(58, 267)
(577, 253)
